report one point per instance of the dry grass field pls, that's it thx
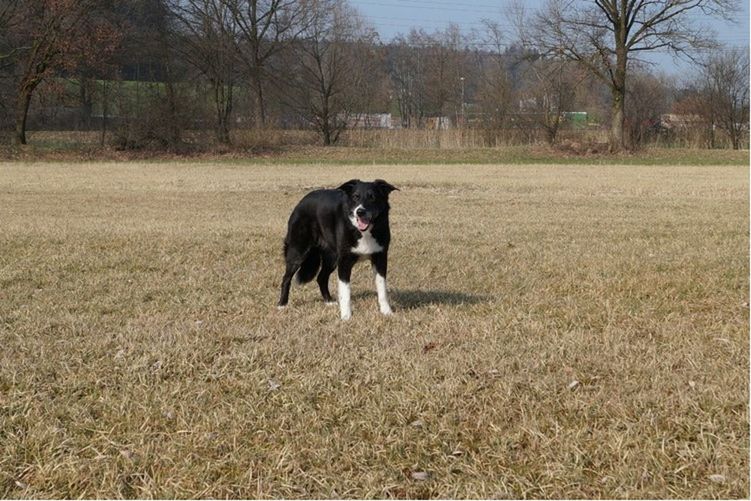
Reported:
(559, 331)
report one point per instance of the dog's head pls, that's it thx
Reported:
(366, 202)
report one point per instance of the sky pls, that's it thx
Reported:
(391, 17)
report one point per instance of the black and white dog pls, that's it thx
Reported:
(332, 229)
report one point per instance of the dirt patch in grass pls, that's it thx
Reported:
(559, 332)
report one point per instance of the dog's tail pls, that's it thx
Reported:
(309, 266)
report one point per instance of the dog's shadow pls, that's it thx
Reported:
(412, 299)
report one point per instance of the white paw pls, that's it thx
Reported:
(387, 311)
(330, 303)
(346, 316)
(280, 308)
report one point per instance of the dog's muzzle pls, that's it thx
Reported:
(362, 219)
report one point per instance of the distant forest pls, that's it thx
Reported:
(150, 73)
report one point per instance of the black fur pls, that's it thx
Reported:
(309, 267)
(321, 235)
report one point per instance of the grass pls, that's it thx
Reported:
(507, 155)
(361, 147)
(578, 331)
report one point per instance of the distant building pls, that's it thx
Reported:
(369, 121)
(676, 121)
(437, 123)
(576, 118)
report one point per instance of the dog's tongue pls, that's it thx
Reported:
(362, 225)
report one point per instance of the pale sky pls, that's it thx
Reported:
(391, 17)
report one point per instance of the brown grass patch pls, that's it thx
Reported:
(560, 331)
(374, 147)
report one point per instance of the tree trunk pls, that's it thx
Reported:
(84, 93)
(618, 87)
(617, 121)
(223, 103)
(174, 130)
(550, 134)
(104, 112)
(735, 134)
(222, 133)
(22, 113)
(325, 116)
(260, 103)
(222, 130)
(326, 130)
(325, 126)
(551, 123)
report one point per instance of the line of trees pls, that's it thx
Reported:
(151, 70)
(602, 36)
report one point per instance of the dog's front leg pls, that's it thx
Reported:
(380, 265)
(343, 290)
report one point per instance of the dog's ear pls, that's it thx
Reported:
(349, 186)
(384, 187)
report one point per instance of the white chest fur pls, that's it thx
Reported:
(366, 245)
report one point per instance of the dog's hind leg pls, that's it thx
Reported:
(286, 283)
(328, 264)
(294, 260)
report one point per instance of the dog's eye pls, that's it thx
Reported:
(356, 197)
(370, 197)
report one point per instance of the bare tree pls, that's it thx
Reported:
(551, 91)
(162, 48)
(405, 70)
(495, 93)
(7, 53)
(725, 85)
(207, 32)
(47, 36)
(329, 66)
(265, 27)
(444, 62)
(646, 100)
(8, 18)
(372, 86)
(717, 99)
(156, 112)
(694, 118)
(604, 35)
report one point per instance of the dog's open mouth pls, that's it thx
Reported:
(361, 223)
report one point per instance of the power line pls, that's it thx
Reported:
(414, 22)
(464, 6)
(429, 7)
(417, 22)
(467, 26)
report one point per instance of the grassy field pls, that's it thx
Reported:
(396, 147)
(559, 331)
(508, 155)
